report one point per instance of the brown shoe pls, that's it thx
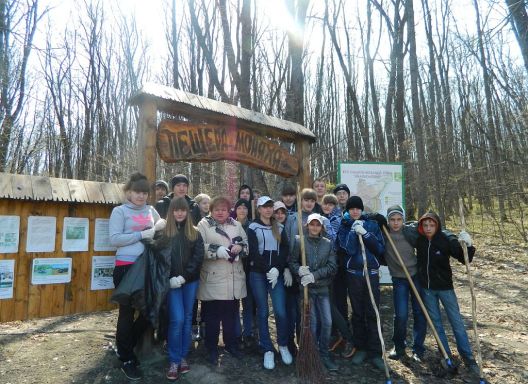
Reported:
(335, 344)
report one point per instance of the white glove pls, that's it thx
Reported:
(272, 276)
(304, 270)
(464, 236)
(358, 227)
(160, 225)
(288, 279)
(148, 234)
(181, 280)
(307, 279)
(174, 282)
(222, 253)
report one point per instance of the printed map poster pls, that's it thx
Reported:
(102, 236)
(41, 234)
(9, 231)
(379, 185)
(51, 271)
(102, 272)
(7, 278)
(75, 234)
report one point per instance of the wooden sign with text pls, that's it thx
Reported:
(184, 141)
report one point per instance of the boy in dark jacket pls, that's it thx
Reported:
(434, 248)
(318, 272)
(364, 323)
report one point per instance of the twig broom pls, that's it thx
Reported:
(308, 364)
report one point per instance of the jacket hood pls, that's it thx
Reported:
(429, 215)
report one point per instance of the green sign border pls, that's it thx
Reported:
(375, 162)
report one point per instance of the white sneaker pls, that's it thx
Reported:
(269, 360)
(286, 355)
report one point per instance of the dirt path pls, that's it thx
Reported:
(75, 349)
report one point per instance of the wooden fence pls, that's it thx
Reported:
(26, 196)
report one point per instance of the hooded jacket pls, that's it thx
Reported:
(348, 247)
(321, 259)
(265, 252)
(434, 268)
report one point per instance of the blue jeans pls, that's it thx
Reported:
(321, 320)
(401, 291)
(180, 302)
(432, 299)
(261, 287)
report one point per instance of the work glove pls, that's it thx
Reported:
(222, 253)
(464, 236)
(272, 276)
(358, 227)
(160, 225)
(148, 234)
(304, 270)
(175, 282)
(307, 279)
(288, 278)
(180, 279)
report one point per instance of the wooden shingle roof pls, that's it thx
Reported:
(199, 108)
(43, 188)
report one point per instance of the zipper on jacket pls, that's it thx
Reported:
(428, 257)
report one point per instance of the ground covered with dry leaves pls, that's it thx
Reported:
(78, 349)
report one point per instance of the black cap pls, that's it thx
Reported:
(179, 179)
(354, 202)
(243, 202)
(341, 187)
(162, 183)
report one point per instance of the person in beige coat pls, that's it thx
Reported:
(222, 278)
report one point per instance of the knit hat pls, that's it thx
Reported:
(354, 202)
(179, 179)
(395, 209)
(341, 187)
(161, 183)
(243, 202)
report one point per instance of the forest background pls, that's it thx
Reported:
(439, 85)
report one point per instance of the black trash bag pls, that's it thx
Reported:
(145, 285)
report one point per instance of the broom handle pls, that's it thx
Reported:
(373, 301)
(301, 240)
(416, 294)
(470, 278)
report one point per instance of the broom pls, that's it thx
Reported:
(447, 363)
(473, 298)
(373, 302)
(308, 364)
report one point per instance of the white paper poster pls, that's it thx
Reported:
(51, 271)
(102, 272)
(41, 234)
(9, 233)
(75, 234)
(102, 236)
(7, 278)
(379, 185)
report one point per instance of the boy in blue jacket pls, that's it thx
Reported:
(364, 325)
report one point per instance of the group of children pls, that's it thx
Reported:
(251, 252)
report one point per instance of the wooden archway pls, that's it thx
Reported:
(204, 130)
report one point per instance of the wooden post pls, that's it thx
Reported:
(147, 128)
(302, 152)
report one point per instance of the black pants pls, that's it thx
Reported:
(340, 292)
(129, 327)
(216, 312)
(364, 322)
